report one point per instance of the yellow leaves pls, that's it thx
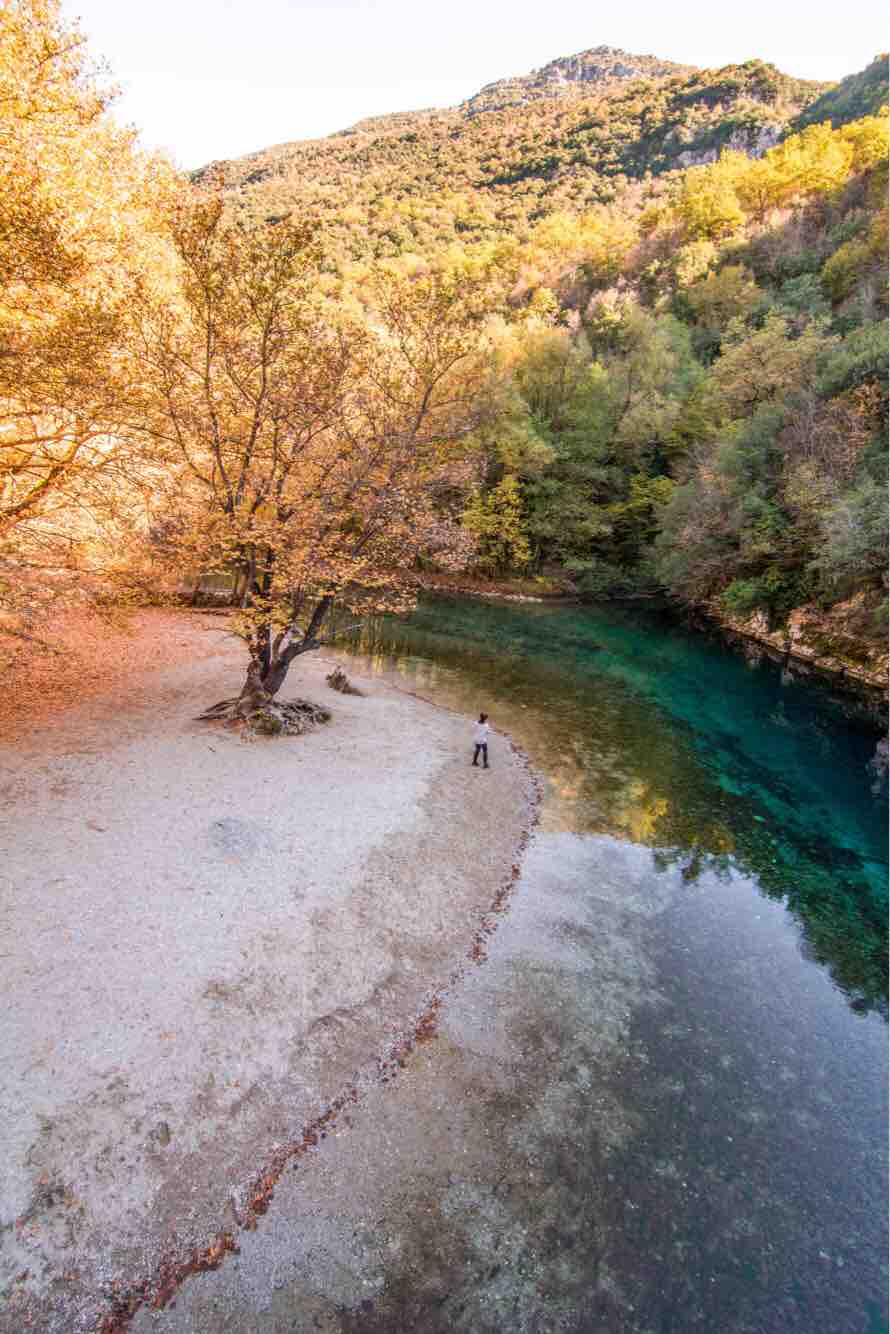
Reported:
(720, 297)
(299, 450)
(759, 188)
(868, 139)
(599, 240)
(654, 216)
(79, 230)
(496, 521)
(693, 260)
(543, 306)
(647, 493)
(640, 813)
(715, 201)
(842, 270)
(73, 191)
(821, 159)
(812, 162)
(44, 71)
(708, 202)
(607, 238)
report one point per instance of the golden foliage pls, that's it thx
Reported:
(79, 209)
(198, 383)
(295, 450)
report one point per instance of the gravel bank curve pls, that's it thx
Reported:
(211, 948)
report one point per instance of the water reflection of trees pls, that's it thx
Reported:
(844, 928)
(613, 766)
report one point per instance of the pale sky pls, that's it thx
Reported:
(208, 79)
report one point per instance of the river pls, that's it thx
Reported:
(692, 1002)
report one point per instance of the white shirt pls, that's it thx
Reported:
(481, 734)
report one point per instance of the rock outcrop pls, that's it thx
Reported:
(601, 64)
(830, 642)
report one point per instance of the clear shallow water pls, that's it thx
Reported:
(671, 739)
(690, 989)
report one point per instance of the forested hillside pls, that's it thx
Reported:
(857, 95)
(568, 136)
(618, 320)
(689, 382)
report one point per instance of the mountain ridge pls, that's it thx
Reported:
(596, 65)
(562, 77)
(568, 136)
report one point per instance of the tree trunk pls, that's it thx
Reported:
(273, 678)
(254, 694)
(240, 584)
(280, 655)
(256, 706)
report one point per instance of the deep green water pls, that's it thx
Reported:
(693, 971)
(664, 736)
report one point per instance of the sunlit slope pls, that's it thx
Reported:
(569, 135)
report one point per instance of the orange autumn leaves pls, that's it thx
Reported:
(173, 396)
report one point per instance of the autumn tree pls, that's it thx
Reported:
(715, 301)
(495, 518)
(79, 211)
(295, 450)
(708, 201)
(759, 367)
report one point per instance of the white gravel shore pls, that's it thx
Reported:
(204, 941)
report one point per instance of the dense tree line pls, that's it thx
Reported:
(714, 419)
(683, 386)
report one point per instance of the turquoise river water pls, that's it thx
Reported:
(759, 1076)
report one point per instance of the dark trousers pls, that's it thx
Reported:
(483, 746)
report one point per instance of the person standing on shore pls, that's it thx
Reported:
(480, 736)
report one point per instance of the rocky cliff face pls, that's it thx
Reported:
(601, 64)
(755, 140)
(830, 643)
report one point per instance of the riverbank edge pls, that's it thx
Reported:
(798, 645)
(492, 590)
(173, 1269)
(117, 1303)
(811, 643)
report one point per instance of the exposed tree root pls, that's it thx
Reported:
(261, 715)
